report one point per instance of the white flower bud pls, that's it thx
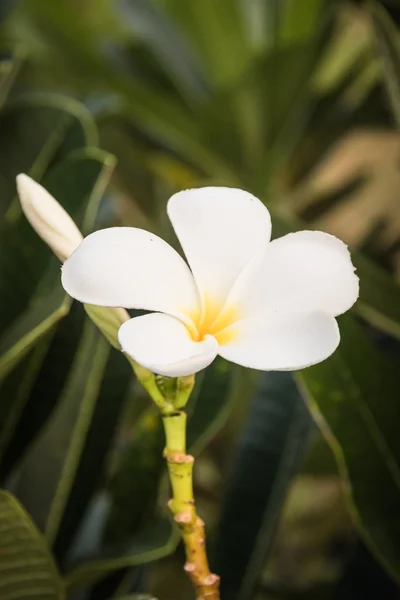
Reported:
(48, 218)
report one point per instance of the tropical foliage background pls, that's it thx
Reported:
(113, 105)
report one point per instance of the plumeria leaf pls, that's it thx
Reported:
(37, 401)
(27, 567)
(9, 68)
(211, 405)
(268, 453)
(16, 388)
(134, 488)
(80, 430)
(61, 444)
(157, 540)
(353, 397)
(32, 305)
(388, 38)
(218, 35)
(36, 131)
(159, 33)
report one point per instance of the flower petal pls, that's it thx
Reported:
(282, 342)
(48, 218)
(220, 229)
(132, 268)
(300, 272)
(163, 344)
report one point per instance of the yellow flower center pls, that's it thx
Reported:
(214, 321)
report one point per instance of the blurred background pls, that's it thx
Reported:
(113, 105)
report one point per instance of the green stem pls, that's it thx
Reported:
(180, 469)
(182, 505)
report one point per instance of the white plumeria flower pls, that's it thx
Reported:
(261, 304)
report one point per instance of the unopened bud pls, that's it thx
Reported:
(48, 218)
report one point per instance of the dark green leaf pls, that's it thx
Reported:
(134, 487)
(155, 541)
(217, 33)
(100, 440)
(212, 405)
(388, 38)
(267, 457)
(353, 397)
(26, 418)
(36, 131)
(27, 567)
(9, 68)
(52, 463)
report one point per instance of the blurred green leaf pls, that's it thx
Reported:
(102, 437)
(37, 130)
(24, 419)
(212, 405)
(133, 489)
(60, 446)
(217, 33)
(15, 391)
(80, 431)
(268, 454)
(388, 38)
(158, 32)
(157, 540)
(379, 300)
(9, 68)
(353, 397)
(301, 22)
(27, 567)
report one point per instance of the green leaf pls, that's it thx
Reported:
(300, 22)
(15, 391)
(217, 33)
(102, 436)
(77, 181)
(388, 38)
(79, 393)
(61, 445)
(35, 131)
(9, 68)
(25, 418)
(79, 432)
(134, 487)
(353, 397)
(268, 454)
(212, 405)
(157, 540)
(163, 39)
(27, 567)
